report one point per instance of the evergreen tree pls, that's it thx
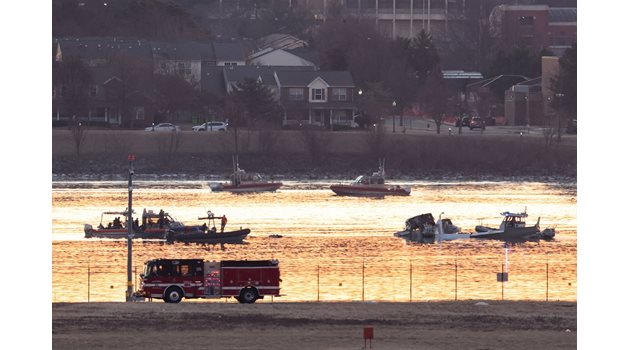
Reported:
(564, 85)
(423, 55)
(256, 105)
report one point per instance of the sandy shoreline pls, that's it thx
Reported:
(218, 325)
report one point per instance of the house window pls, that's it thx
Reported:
(228, 64)
(526, 20)
(318, 95)
(93, 90)
(296, 94)
(183, 68)
(339, 94)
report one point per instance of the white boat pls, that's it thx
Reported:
(512, 228)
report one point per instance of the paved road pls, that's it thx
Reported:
(419, 125)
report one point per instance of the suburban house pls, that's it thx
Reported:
(117, 88)
(229, 53)
(320, 98)
(101, 51)
(280, 41)
(116, 76)
(304, 57)
(232, 75)
(183, 59)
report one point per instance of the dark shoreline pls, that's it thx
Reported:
(296, 167)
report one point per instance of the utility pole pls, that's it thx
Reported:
(131, 158)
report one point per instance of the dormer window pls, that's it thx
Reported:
(318, 95)
(93, 90)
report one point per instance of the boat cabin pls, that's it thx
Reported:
(369, 180)
(513, 220)
(240, 176)
(116, 219)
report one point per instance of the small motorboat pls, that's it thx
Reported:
(154, 225)
(243, 182)
(512, 229)
(207, 233)
(371, 186)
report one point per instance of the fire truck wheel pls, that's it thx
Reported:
(248, 295)
(173, 295)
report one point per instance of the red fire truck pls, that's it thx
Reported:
(175, 279)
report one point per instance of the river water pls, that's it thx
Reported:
(331, 248)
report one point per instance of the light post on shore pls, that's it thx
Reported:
(527, 111)
(394, 116)
(130, 232)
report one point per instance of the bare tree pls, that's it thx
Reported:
(73, 77)
(435, 96)
(168, 143)
(132, 77)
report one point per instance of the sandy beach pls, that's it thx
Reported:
(218, 325)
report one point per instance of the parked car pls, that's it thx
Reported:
(464, 121)
(211, 126)
(476, 122)
(163, 127)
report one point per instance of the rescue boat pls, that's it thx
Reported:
(372, 186)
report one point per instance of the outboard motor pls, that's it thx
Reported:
(87, 229)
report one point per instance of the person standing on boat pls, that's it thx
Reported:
(144, 217)
(161, 218)
(223, 222)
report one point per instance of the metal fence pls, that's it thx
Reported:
(367, 281)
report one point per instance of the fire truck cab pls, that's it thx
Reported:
(175, 279)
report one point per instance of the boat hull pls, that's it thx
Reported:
(201, 237)
(519, 234)
(420, 237)
(122, 233)
(369, 191)
(245, 188)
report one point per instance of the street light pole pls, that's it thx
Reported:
(394, 116)
(527, 110)
(131, 158)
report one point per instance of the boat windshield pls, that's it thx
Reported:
(359, 179)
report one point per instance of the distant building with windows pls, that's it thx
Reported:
(534, 26)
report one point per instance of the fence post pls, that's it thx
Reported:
(318, 283)
(363, 282)
(455, 279)
(88, 281)
(502, 281)
(547, 288)
(135, 280)
(410, 282)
